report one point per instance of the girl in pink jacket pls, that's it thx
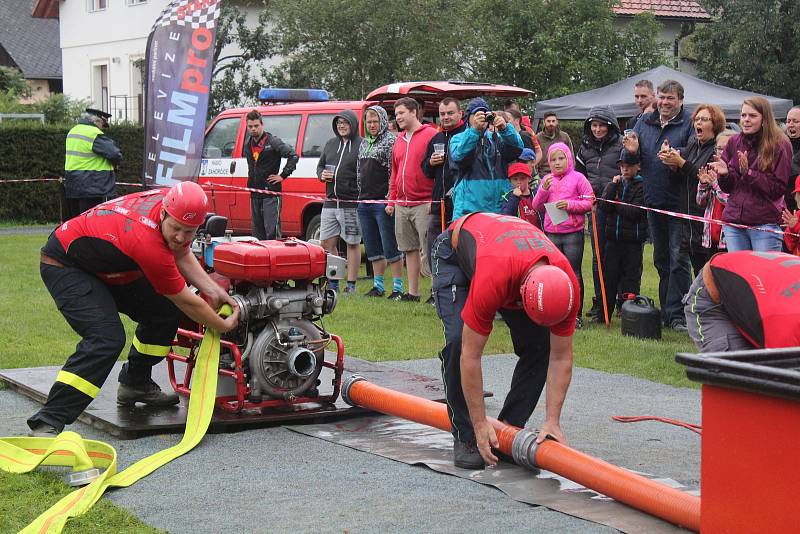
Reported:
(570, 191)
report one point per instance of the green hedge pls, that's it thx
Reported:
(29, 150)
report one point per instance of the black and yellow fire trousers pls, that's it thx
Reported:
(92, 308)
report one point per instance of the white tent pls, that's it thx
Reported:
(619, 96)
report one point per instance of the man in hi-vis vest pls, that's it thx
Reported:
(89, 163)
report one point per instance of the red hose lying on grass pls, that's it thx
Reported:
(669, 504)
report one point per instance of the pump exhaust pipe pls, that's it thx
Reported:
(664, 502)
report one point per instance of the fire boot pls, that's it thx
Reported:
(466, 455)
(147, 393)
(43, 430)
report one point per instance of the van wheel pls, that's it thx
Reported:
(312, 229)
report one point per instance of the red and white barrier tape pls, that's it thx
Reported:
(32, 180)
(314, 197)
(58, 179)
(318, 198)
(690, 217)
(211, 187)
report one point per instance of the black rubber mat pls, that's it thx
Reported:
(130, 423)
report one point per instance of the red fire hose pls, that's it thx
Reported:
(669, 504)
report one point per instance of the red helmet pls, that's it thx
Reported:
(186, 202)
(547, 295)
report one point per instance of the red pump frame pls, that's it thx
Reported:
(235, 404)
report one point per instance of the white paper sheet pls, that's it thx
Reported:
(557, 215)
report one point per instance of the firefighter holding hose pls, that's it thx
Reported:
(130, 255)
(484, 264)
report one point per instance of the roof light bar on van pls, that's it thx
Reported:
(275, 94)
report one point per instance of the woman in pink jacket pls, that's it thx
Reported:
(571, 192)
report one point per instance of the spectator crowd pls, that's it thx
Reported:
(421, 174)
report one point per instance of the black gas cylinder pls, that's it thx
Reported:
(641, 318)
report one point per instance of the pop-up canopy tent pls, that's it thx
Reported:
(619, 96)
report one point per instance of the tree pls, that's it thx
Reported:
(239, 53)
(350, 47)
(12, 80)
(557, 47)
(752, 45)
(59, 108)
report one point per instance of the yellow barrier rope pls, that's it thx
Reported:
(23, 454)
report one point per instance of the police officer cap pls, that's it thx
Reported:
(98, 113)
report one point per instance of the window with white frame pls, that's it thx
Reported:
(137, 2)
(96, 5)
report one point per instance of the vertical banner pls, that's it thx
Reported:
(180, 59)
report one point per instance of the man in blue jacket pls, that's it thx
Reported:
(481, 155)
(669, 126)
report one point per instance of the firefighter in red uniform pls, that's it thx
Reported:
(745, 300)
(132, 256)
(484, 264)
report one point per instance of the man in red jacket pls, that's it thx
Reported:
(745, 300)
(410, 191)
(487, 263)
(132, 256)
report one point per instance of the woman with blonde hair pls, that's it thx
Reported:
(754, 170)
(687, 164)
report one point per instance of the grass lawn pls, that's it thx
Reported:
(33, 333)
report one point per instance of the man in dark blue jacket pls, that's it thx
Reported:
(669, 126)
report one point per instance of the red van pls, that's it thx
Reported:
(306, 126)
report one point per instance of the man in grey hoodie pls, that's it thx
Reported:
(337, 167)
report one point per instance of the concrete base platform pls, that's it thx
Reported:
(132, 422)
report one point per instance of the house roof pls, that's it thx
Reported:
(46, 9)
(32, 43)
(673, 9)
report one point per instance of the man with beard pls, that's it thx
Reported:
(551, 133)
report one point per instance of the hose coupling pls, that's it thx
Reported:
(523, 448)
(81, 478)
(347, 383)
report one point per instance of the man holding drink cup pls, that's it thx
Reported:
(436, 166)
(339, 219)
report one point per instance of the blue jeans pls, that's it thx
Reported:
(671, 258)
(377, 229)
(753, 238)
(531, 345)
(571, 245)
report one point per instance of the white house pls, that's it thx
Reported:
(103, 46)
(678, 18)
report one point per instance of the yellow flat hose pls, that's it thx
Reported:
(23, 454)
